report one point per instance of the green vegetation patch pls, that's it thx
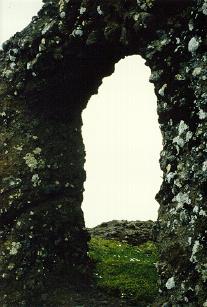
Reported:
(126, 270)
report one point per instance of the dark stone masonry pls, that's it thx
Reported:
(48, 73)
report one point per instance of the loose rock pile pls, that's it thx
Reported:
(132, 232)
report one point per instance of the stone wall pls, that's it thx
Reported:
(48, 73)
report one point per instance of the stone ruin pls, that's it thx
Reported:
(48, 73)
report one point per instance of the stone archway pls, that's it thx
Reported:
(48, 73)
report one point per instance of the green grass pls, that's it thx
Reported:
(126, 270)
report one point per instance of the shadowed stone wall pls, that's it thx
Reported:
(48, 73)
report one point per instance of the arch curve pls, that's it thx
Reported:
(48, 73)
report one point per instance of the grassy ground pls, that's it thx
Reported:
(125, 270)
(124, 275)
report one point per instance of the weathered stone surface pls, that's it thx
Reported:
(131, 232)
(48, 73)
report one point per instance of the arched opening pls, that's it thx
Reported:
(123, 143)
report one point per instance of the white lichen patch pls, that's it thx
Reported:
(100, 12)
(162, 90)
(77, 32)
(62, 14)
(204, 166)
(15, 246)
(31, 161)
(193, 44)
(12, 58)
(136, 17)
(168, 168)
(19, 223)
(18, 147)
(183, 215)
(12, 65)
(15, 195)
(36, 181)
(11, 266)
(43, 41)
(202, 213)
(182, 198)
(183, 135)
(190, 240)
(196, 71)
(179, 77)
(191, 25)
(170, 176)
(179, 141)
(203, 271)
(196, 209)
(14, 182)
(37, 150)
(48, 27)
(204, 10)
(29, 65)
(3, 114)
(61, 5)
(42, 252)
(194, 251)
(82, 10)
(182, 127)
(7, 73)
(202, 114)
(155, 75)
(170, 284)
(15, 50)
(188, 136)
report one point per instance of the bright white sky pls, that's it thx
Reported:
(120, 132)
